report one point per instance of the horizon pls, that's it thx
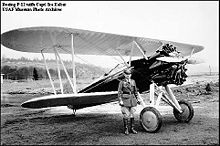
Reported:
(191, 69)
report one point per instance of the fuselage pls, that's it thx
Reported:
(144, 72)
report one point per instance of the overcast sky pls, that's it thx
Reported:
(186, 22)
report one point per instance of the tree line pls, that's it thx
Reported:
(14, 71)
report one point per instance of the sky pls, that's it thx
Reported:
(191, 22)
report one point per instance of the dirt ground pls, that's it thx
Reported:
(100, 125)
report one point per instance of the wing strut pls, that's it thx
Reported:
(122, 58)
(57, 56)
(51, 82)
(132, 49)
(68, 77)
(58, 70)
(141, 50)
(73, 63)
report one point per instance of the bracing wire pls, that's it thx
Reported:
(77, 56)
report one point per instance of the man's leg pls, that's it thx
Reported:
(126, 114)
(132, 111)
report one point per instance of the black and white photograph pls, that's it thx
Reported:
(109, 73)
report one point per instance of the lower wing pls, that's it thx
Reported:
(79, 100)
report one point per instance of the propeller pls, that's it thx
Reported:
(174, 57)
(175, 71)
(194, 60)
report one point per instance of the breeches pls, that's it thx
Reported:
(128, 112)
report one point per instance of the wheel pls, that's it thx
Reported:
(187, 114)
(150, 119)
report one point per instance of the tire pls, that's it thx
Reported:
(150, 119)
(188, 112)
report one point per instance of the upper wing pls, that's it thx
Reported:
(34, 39)
(78, 101)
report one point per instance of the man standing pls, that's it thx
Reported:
(127, 95)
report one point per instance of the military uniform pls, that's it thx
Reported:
(127, 95)
(127, 92)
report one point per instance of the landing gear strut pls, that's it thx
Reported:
(74, 110)
(150, 117)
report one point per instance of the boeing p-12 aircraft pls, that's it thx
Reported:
(161, 63)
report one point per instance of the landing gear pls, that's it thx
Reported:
(74, 110)
(150, 119)
(187, 112)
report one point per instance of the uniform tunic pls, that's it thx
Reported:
(127, 92)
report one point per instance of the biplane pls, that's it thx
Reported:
(161, 63)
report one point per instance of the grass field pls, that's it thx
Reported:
(102, 124)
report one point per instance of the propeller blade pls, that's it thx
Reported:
(195, 60)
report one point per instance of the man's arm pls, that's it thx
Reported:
(120, 92)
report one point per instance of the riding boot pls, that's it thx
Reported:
(126, 131)
(132, 126)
